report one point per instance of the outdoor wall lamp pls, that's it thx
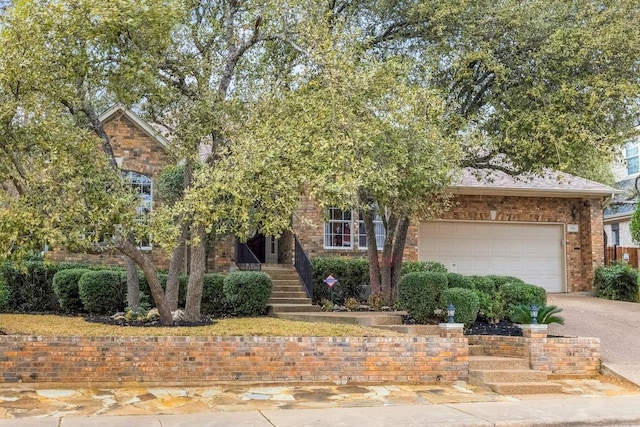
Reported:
(451, 311)
(574, 213)
(534, 314)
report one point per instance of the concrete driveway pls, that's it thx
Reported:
(616, 323)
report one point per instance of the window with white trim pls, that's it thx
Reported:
(379, 230)
(631, 158)
(141, 185)
(338, 228)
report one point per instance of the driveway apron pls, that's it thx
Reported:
(616, 323)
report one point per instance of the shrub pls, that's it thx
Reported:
(30, 286)
(522, 294)
(617, 282)
(416, 266)
(483, 284)
(500, 281)
(465, 301)
(213, 299)
(456, 280)
(419, 293)
(102, 292)
(4, 294)
(352, 275)
(247, 292)
(521, 314)
(65, 286)
(492, 307)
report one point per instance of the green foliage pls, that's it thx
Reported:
(492, 306)
(65, 286)
(465, 301)
(102, 292)
(500, 281)
(456, 280)
(617, 282)
(415, 266)
(171, 184)
(484, 284)
(30, 286)
(419, 294)
(213, 300)
(4, 294)
(247, 292)
(145, 292)
(523, 294)
(352, 275)
(521, 314)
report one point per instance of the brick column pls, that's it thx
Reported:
(535, 337)
(451, 330)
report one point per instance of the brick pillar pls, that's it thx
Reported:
(535, 337)
(451, 330)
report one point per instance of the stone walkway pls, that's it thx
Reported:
(31, 402)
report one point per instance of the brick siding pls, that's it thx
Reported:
(206, 359)
(584, 250)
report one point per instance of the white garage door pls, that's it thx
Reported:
(531, 252)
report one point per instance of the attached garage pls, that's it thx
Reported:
(534, 252)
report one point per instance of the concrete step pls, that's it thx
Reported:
(288, 288)
(481, 377)
(292, 308)
(496, 363)
(301, 301)
(288, 294)
(286, 282)
(525, 388)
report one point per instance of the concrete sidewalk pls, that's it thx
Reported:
(583, 411)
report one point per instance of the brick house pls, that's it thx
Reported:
(546, 230)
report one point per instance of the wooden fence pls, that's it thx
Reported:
(619, 253)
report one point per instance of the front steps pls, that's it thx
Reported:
(508, 375)
(287, 294)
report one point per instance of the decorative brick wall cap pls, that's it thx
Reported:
(452, 325)
(534, 328)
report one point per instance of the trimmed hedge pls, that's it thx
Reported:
(30, 286)
(419, 294)
(483, 284)
(145, 291)
(4, 294)
(616, 282)
(65, 286)
(465, 301)
(416, 266)
(456, 280)
(515, 294)
(213, 299)
(103, 292)
(247, 292)
(352, 275)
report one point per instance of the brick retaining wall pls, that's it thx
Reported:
(201, 360)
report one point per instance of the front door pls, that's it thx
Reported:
(265, 248)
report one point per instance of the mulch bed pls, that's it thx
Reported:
(502, 328)
(205, 321)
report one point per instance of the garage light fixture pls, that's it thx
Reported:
(534, 314)
(574, 213)
(451, 311)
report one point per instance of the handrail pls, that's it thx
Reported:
(303, 267)
(245, 259)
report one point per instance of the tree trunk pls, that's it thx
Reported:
(196, 276)
(387, 259)
(398, 253)
(372, 253)
(133, 285)
(151, 274)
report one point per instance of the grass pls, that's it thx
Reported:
(52, 325)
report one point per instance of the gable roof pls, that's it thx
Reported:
(548, 184)
(119, 109)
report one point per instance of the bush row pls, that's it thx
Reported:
(36, 286)
(425, 296)
(617, 282)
